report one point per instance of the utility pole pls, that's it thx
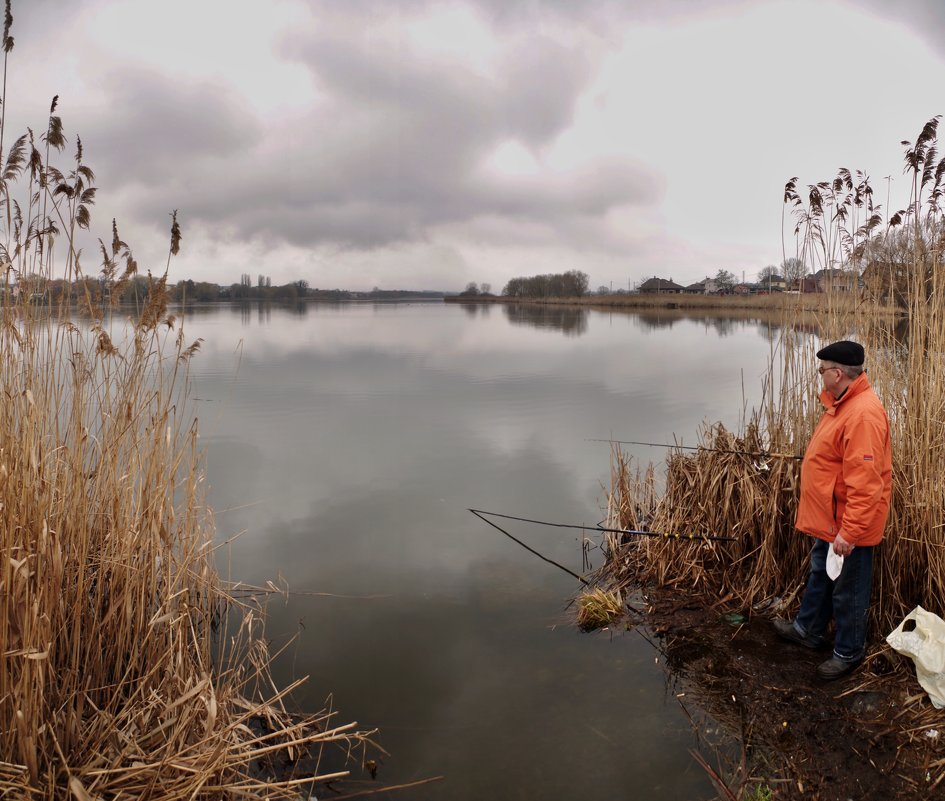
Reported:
(888, 180)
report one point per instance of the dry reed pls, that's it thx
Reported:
(899, 263)
(811, 303)
(127, 668)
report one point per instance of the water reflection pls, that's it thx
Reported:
(348, 444)
(655, 319)
(722, 325)
(571, 320)
(476, 308)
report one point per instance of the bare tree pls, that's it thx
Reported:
(766, 273)
(793, 270)
(725, 280)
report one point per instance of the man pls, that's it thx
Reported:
(846, 485)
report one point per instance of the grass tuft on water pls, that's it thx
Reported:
(597, 608)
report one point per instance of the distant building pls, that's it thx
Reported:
(807, 284)
(836, 280)
(773, 283)
(707, 286)
(660, 286)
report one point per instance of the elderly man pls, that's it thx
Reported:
(846, 484)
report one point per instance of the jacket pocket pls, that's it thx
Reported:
(817, 513)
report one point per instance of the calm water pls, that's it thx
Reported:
(348, 442)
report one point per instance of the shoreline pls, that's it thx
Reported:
(779, 303)
(870, 735)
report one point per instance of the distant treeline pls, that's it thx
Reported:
(572, 284)
(137, 288)
(203, 292)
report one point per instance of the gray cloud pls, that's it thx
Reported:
(153, 127)
(598, 16)
(388, 152)
(924, 17)
(396, 148)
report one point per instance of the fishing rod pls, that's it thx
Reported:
(638, 532)
(480, 513)
(760, 454)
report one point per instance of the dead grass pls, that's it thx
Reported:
(128, 670)
(754, 498)
(597, 608)
(777, 304)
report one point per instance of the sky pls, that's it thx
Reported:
(416, 144)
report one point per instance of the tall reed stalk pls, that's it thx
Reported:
(900, 262)
(127, 668)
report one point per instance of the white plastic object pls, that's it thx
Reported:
(921, 636)
(834, 563)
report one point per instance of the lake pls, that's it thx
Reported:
(345, 444)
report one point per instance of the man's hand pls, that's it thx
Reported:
(842, 546)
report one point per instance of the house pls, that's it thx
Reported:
(772, 283)
(807, 284)
(660, 286)
(707, 286)
(836, 280)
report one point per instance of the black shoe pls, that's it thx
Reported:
(786, 631)
(835, 668)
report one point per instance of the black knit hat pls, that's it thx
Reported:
(843, 352)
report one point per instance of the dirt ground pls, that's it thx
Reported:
(870, 735)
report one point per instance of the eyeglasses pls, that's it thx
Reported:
(823, 370)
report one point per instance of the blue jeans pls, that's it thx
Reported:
(846, 600)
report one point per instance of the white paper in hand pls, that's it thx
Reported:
(834, 563)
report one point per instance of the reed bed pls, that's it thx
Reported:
(754, 498)
(807, 303)
(129, 669)
(799, 303)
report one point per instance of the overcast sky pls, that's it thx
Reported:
(420, 144)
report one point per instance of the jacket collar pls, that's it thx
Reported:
(859, 385)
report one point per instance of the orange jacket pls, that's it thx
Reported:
(846, 476)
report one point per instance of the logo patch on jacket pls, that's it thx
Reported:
(868, 458)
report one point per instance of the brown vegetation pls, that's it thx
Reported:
(778, 304)
(128, 668)
(754, 497)
(597, 608)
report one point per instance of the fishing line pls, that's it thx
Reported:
(480, 514)
(758, 454)
(662, 535)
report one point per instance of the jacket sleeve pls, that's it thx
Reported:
(865, 445)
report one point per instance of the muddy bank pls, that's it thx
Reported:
(871, 735)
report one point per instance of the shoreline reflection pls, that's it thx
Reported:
(570, 320)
